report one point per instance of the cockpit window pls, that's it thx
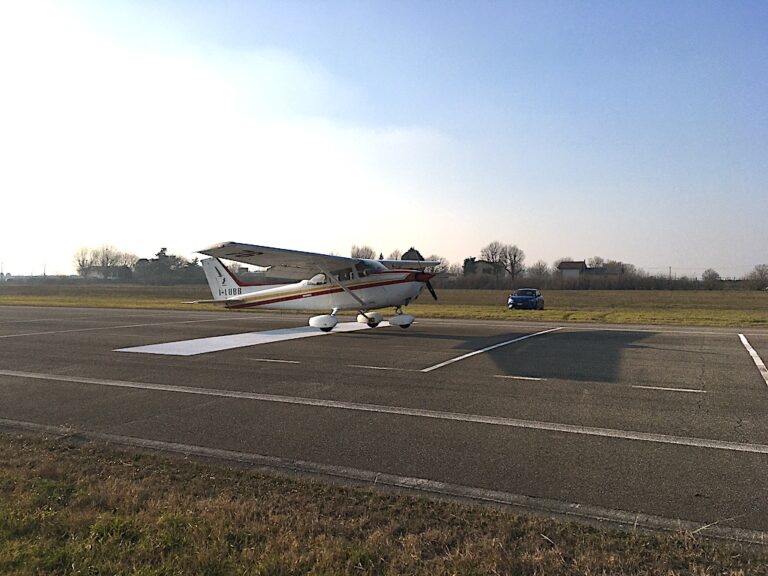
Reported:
(366, 267)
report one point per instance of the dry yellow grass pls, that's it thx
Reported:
(69, 508)
(696, 308)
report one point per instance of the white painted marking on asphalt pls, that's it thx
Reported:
(402, 411)
(27, 321)
(489, 348)
(570, 509)
(230, 341)
(519, 377)
(693, 390)
(380, 368)
(49, 332)
(577, 327)
(755, 357)
(274, 360)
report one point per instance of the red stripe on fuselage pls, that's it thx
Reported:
(335, 290)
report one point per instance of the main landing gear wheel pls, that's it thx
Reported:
(402, 320)
(326, 322)
(369, 318)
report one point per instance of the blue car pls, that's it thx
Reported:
(528, 298)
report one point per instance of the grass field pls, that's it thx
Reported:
(696, 308)
(73, 508)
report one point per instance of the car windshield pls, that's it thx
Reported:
(525, 292)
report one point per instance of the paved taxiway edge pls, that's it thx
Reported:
(565, 510)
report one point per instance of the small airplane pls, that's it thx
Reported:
(312, 281)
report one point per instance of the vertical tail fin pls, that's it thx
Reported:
(222, 283)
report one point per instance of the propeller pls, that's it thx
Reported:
(425, 277)
(431, 290)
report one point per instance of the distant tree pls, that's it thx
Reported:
(83, 261)
(381, 255)
(166, 269)
(757, 279)
(105, 256)
(512, 259)
(107, 260)
(596, 262)
(126, 259)
(539, 270)
(395, 255)
(363, 252)
(492, 252)
(470, 266)
(710, 278)
(440, 268)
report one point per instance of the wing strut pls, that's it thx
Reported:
(333, 279)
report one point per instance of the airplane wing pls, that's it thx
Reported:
(281, 263)
(410, 264)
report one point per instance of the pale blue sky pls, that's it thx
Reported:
(632, 130)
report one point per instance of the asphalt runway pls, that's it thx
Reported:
(656, 426)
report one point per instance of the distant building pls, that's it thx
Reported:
(612, 269)
(412, 254)
(571, 270)
(486, 267)
(109, 273)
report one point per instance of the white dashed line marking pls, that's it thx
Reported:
(380, 368)
(411, 412)
(665, 389)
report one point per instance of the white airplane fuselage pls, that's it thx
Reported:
(378, 289)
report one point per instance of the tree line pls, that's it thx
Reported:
(108, 263)
(499, 266)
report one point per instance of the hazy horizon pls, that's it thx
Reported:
(632, 131)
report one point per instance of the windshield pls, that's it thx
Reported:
(525, 292)
(365, 267)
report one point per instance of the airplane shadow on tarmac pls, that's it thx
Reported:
(585, 355)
